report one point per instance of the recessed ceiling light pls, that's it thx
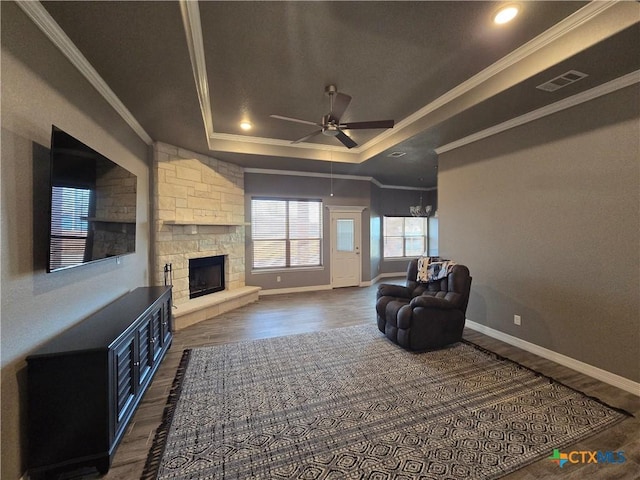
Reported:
(506, 14)
(245, 125)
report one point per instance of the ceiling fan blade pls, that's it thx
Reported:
(346, 141)
(374, 124)
(340, 103)
(297, 120)
(308, 136)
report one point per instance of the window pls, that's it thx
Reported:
(69, 226)
(405, 236)
(286, 233)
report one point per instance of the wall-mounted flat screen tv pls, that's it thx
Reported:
(93, 205)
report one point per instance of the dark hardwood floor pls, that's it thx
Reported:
(306, 312)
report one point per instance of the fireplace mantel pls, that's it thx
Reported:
(191, 226)
(205, 223)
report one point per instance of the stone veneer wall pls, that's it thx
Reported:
(191, 192)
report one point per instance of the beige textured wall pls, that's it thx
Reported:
(547, 217)
(41, 88)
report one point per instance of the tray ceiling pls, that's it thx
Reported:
(189, 72)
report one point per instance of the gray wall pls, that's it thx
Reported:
(41, 88)
(546, 216)
(375, 226)
(345, 193)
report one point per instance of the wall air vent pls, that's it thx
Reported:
(562, 81)
(396, 154)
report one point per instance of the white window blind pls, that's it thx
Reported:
(69, 226)
(286, 233)
(345, 230)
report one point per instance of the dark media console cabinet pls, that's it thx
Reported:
(84, 385)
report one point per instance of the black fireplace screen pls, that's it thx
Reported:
(206, 275)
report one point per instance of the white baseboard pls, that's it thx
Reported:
(595, 372)
(278, 291)
(315, 288)
(380, 276)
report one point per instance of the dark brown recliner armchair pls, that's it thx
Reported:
(424, 316)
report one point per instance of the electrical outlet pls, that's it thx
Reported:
(278, 278)
(517, 320)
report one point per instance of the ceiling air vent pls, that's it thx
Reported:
(396, 154)
(562, 81)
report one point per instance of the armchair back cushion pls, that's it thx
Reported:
(425, 315)
(453, 288)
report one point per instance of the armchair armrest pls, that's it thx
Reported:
(389, 290)
(428, 301)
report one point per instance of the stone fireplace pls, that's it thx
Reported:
(206, 275)
(198, 212)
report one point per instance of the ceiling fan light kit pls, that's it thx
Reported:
(330, 125)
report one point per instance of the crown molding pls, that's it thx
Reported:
(190, 12)
(45, 22)
(595, 92)
(232, 137)
(401, 187)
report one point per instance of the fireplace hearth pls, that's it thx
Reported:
(206, 275)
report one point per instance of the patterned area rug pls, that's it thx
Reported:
(348, 404)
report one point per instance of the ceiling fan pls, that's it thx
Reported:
(330, 124)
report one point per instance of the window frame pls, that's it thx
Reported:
(288, 261)
(404, 237)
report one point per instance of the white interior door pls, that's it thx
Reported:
(346, 263)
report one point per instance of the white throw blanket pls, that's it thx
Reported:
(430, 270)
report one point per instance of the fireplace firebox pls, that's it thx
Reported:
(206, 275)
